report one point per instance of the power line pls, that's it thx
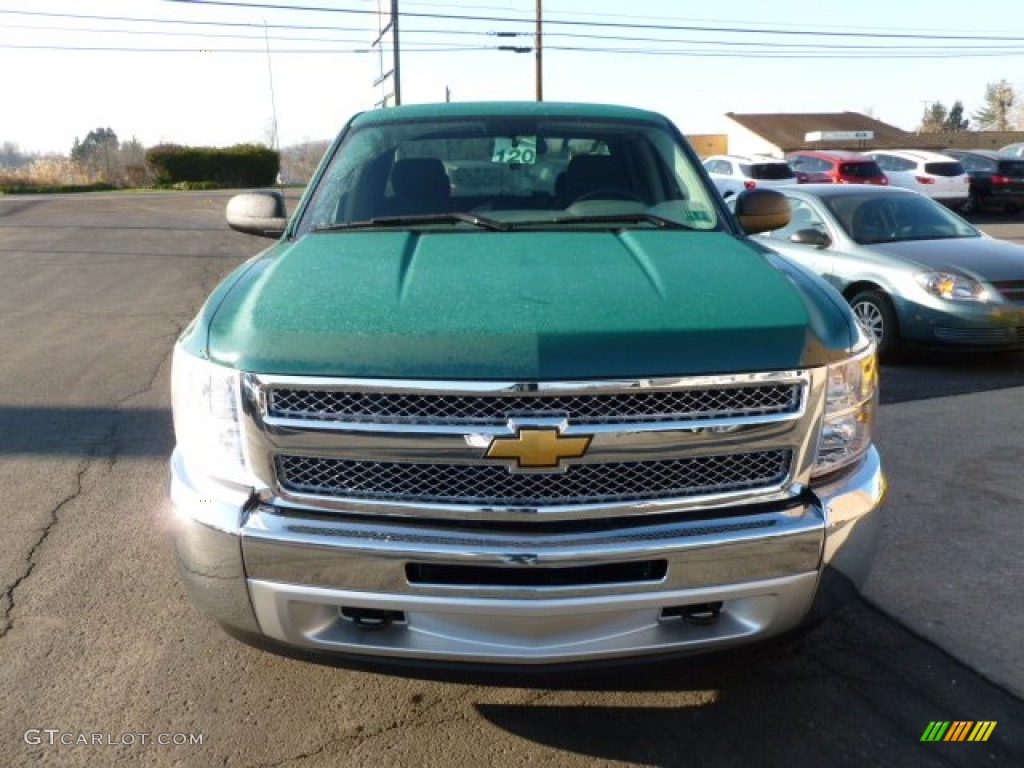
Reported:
(774, 54)
(752, 49)
(261, 51)
(573, 35)
(442, 48)
(181, 21)
(896, 52)
(547, 21)
(171, 33)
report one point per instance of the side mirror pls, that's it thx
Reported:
(258, 213)
(811, 236)
(761, 210)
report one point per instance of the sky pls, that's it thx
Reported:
(215, 74)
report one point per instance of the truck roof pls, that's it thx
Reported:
(506, 109)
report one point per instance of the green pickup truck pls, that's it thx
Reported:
(513, 386)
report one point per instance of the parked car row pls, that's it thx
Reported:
(940, 177)
(836, 167)
(734, 173)
(969, 180)
(997, 179)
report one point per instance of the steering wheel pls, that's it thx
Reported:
(609, 193)
(903, 232)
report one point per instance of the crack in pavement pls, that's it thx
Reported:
(361, 736)
(30, 558)
(106, 444)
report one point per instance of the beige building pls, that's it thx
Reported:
(776, 134)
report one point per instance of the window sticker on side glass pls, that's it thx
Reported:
(515, 149)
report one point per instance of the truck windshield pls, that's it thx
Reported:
(525, 171)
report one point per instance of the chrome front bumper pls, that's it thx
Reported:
(300, 578)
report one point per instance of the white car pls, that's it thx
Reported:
(1014, 150)
(734, 173)
(940, 177)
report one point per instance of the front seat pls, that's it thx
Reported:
(587, 174)
(870, 223)
(420, 186)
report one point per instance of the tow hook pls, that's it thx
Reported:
(372, 619)
(702, 614)
(697, 614)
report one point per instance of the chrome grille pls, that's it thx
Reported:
(1012, 290)
(480, 409)
(494, 485)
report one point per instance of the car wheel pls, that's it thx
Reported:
(876, 316)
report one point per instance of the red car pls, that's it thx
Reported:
(836, 166)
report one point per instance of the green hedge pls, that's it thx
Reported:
(45, 189)
(243, 165)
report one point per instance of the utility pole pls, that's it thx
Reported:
(398, 70)
(394, 75)
(537, 52)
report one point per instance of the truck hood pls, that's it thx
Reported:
(517, 306)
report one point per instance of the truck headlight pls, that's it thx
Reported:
(851, 397)
(952, 287)
(206, 398)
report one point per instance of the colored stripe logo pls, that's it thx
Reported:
(958, 730)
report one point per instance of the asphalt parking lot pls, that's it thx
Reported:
(97, 637)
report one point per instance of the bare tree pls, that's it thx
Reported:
(299, 161)
(97, 153)
(934, 118)
(995, 115)
(11, 156)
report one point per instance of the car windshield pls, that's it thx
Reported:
(888, 218)
(1011, 168)
(859, 170)
(520, 172)
(944, 168)
(769, 171)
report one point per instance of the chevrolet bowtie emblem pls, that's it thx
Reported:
(538, 448)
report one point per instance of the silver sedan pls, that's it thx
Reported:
(912, 270)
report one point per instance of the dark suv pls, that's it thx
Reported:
(997, 180)
(837, 166)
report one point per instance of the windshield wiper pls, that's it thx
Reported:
(419, 218)
(619, 218)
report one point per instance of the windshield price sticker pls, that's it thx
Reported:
(514, 150)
